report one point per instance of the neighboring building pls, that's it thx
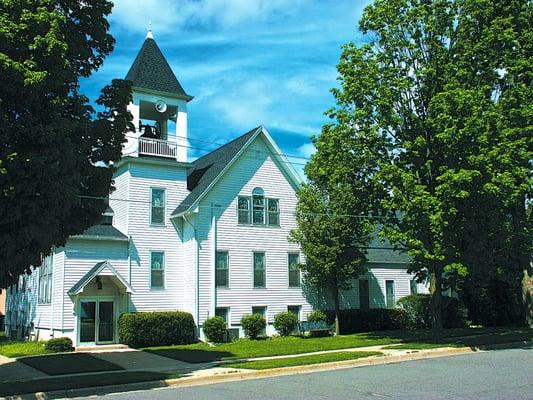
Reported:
(209, 237)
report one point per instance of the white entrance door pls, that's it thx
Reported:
(97, 321)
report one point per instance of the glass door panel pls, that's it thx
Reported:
(87, 321)
(105, 321)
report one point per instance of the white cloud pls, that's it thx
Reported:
(306, 150)
(167, 15)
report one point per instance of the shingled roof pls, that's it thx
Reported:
(150, 70)
(207, 168)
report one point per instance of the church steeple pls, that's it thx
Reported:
(159, 106)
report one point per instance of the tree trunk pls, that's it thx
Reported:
(337, 309)
(436, 304)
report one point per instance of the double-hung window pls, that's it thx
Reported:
(273, 212)
(45, 281)
(157, 213)
(244, 210)
(294, 270)
(259, 270)
(157, 270)
(221, 269)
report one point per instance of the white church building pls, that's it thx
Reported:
(209, 237)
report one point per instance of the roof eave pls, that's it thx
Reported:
(101, 238)
(185, 96)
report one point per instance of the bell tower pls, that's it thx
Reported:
(159, 107)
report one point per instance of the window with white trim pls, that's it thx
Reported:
(45, 280)
(258, 206)
(294, 269)
(221, 269)
(157, 213)
(157, 270)
(259, 270)
(413, 284)
(243, 210)
(295, 310)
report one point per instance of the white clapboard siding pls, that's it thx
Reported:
(118, 200)
(146, 237)
(255, 168)
(81, 256)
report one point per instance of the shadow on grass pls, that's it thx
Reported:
(494, 338)
(193, 356)
(69, 363)
(85, 381)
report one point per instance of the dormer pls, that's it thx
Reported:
(159, 107)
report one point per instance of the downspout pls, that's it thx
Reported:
(197, 280)
(63, 291)
(128, 295)
(213, 257)
(52, 295)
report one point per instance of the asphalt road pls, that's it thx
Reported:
(501, 374)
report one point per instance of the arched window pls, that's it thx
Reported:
(258, 204)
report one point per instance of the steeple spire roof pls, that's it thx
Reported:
(151, 71)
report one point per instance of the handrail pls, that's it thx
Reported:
(157, 147)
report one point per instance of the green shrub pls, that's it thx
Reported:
(419, 315)
(376, 319)
(418, 309)
(285, 323)
(215, 329)
(59, 345)
(253, 325)
(145, 329)
(317, 316)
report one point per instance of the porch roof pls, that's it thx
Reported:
(103, 266)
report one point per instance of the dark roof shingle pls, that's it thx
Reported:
(207, 168)
(103, 231)
(150, 70)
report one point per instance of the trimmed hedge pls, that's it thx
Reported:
(215, 329)
(253, 325)
(146, 329)
(418, 308)
(59, 345)
(377, 319)
(285, 323)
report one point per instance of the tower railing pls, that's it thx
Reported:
(157, 147)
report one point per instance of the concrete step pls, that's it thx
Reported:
(102, 347)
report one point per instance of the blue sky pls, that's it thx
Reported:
(246, 62)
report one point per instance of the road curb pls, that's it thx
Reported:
(239, 375)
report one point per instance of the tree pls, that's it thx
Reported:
(335, 207)
(54, 148)
(442, 83)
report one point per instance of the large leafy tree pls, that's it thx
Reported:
(54, 148)
(447, 85)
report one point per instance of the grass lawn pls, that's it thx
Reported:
(275, 346)
(69, 363)
(475, 338)
(19, 348)
(304, 360)
(82, 381)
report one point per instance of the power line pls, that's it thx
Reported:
(215, 206)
